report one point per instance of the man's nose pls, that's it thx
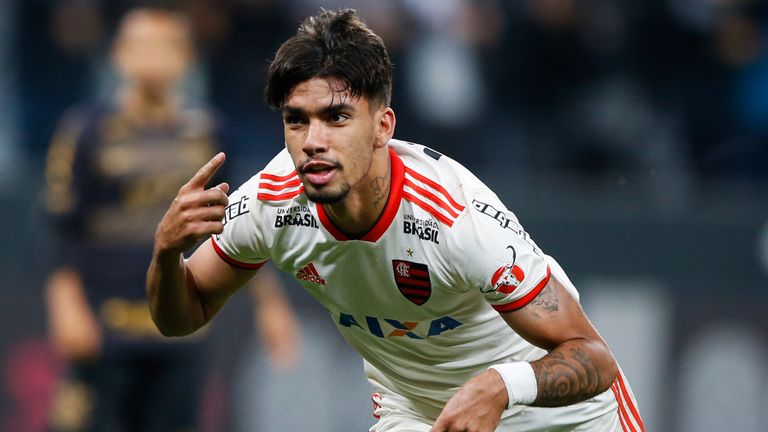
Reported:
(316, 140)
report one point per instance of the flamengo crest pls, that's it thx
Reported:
(412, 280)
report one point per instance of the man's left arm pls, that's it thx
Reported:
(578, 364)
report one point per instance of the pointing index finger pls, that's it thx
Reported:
(204, 174)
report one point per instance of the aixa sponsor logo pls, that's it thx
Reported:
(295, 216)
(387, 327)
(425, 229)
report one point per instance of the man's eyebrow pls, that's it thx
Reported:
(334, 108)
(330, 109)
(289, 110)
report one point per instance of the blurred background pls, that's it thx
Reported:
(630, 138)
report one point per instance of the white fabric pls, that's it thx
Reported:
(600, 414)
(442, 222)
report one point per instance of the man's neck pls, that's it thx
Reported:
(147, 106)
(359, 211)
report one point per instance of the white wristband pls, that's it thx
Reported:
(520, 381)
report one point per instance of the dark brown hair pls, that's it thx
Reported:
(337, 46)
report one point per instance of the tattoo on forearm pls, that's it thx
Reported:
(568, 375)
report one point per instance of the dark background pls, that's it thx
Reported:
(630, 138)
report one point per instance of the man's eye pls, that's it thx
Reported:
(338, 118)
(293, 120)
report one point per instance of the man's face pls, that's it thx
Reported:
(153, 51)
(331, 138)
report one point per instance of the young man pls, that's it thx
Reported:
(463, 322)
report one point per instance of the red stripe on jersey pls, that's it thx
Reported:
(273, 187)
(390, 208)
(417, 272)
(313, 270)
(415, 282)
(524, 300)
(432, 197)
(435, 186)
(427, 208)
(278, 178)
(375, 398)
(233, 262)
(413, 292)
(630, 404)
(620, 408)
(279, 197)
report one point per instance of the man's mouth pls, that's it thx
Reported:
(318, 172)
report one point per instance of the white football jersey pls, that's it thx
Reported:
(418, 295)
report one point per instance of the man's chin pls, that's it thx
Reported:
(325, 196)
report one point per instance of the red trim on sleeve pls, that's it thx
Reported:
(524, 300)
(390, 209)
(233, 262)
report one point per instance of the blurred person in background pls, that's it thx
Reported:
(111, 170)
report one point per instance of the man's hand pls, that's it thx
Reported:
(73, 326)
(195, 213)
(476, 407)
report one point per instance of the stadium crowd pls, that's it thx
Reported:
(598, 87)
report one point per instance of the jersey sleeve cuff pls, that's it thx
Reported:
(524, 300)
(233, 262)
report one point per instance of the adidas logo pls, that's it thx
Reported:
(309, 274)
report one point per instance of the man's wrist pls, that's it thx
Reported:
(520, 380)
(165, 254)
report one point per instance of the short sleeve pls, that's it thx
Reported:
(495, 254)
(241, 244)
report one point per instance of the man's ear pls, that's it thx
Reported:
(385, 127)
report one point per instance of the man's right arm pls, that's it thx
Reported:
(184, 294)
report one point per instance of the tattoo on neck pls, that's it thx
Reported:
(379, 191)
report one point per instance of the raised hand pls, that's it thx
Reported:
(195, 213)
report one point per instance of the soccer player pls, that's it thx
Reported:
(462, 321)
(111, 171)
